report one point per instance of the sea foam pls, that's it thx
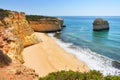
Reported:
(92, 59)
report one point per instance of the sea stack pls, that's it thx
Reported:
(100, 24)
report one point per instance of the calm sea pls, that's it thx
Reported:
(99, 50)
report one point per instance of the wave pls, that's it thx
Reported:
(94, 61)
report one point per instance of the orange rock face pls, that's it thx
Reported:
(15, 34)
(19, 22)
(17, 72)
(47, 25)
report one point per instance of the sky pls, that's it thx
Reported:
(64, 7)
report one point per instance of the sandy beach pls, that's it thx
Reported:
(47, 56)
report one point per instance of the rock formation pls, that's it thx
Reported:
(45, 24)
(100, 24)
(15, 34)
(17, 72)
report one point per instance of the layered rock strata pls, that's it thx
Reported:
(15, 34)
(46, 24)
(100, 24)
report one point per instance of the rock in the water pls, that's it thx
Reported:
(100, 24)
(116, 64)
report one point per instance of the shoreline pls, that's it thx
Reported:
(47, 56)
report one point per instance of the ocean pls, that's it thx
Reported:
(99, 50)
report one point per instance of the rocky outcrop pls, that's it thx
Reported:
(100, 24)
(17, 72)
(15, 34)
(11, 43)
(45, 24)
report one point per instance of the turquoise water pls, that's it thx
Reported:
(79, 32)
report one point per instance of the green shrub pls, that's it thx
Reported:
(4, 12)
(71, 75)
(94, 75)
(37, 17)
(112, 78)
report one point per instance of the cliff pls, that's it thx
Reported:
(15, 34)
(45, 24)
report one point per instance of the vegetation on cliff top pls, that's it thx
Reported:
(38, 17)
(71, 75)
(3, 12)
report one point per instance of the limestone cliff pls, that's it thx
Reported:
(15, 34)
(45, 24)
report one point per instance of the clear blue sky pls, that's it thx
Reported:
(64, 7)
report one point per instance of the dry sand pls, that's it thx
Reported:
(47, 56)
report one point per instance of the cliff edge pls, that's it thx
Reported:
(15, 34)
(45, 23)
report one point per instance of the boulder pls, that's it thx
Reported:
(99, 24)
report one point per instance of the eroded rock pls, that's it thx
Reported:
(15, 34)
(45, 24)
(17, 72)
(100, 24)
